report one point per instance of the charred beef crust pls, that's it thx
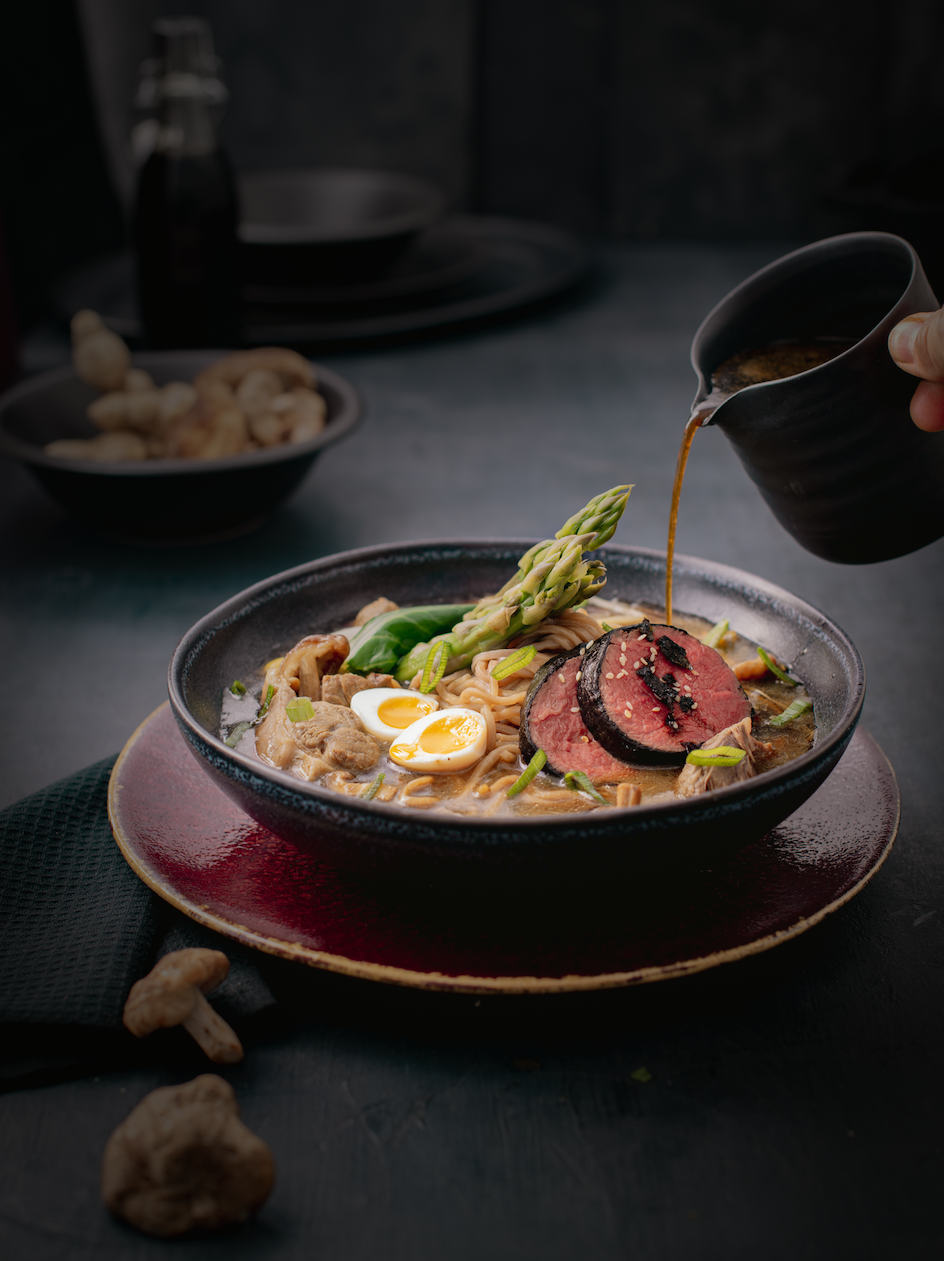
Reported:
(551, 721)
(601, 723)
(525, 743)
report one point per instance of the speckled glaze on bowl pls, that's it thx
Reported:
(392, 842)
(160, 500)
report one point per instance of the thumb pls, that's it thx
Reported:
(917, 345)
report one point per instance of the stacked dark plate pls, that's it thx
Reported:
(334, 256)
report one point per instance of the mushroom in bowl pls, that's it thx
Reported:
(202, 484)
(360, 830)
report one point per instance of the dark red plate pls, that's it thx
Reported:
(202, 854)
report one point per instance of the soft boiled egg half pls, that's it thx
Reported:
(450, 740)
(386, 712)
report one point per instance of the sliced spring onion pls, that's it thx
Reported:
(433, 673)
(536, 764)
(517, 660)
(237, 733)
(793, 710)
(775, 669)
(370, 792)
(300, 710)
(720, 755)
(641, 1074)
(606, 626)
(578, 781)
(717, 633)
(241, 728)
(237, 688)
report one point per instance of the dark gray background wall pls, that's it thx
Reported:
(688, 119)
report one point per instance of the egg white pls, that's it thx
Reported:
(381, 710)
(451, 740)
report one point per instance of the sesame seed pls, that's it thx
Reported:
(636, 664)
(562, 679)
(583, 649)
(655, 709)
(610, 675)
(575, 709)
(585, 739)
(622, 674)
(579, 673)
(638, 637)
(695, 705)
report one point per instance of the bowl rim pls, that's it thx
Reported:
(520, 827)
(430, 205)
(350, 412)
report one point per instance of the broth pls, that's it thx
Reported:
(475, 793)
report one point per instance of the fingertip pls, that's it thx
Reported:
(927, 406)
(901, 340)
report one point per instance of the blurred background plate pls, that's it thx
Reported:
(436, 259)
(514, 264)
(328, 226)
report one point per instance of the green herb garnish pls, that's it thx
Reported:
(793, 710)
(578, 781)
(237, 733)
(380, 643)
(641, 1074)
(432, 673)
(720, 755)
(517, 660)
(241, 728)
(300, 710)
(717, 633)
(775, 669)
(606, 626)
(370, 792)
(536, 764)
(237, 688)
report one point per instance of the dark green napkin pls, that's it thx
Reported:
(78, 928)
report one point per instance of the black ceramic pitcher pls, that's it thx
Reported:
(833, 450)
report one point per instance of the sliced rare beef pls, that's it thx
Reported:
(651, 694)
(550, 720)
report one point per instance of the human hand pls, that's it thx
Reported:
(917, 346)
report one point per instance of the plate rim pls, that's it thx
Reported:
(456, 983)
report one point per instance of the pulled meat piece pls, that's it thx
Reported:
(312, 657)
(700, 779)
(335, 732)
(338, 689)
(374, 609)
(333, 738)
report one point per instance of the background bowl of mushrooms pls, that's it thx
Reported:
(173, 445)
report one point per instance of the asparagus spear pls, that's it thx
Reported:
(551, 577)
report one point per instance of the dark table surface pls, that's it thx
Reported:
(794, 1105)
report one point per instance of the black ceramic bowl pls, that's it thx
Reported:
(160, 500)
(384, 840)
(317, 227)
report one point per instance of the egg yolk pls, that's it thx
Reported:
(402, 711)
(449, 734)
